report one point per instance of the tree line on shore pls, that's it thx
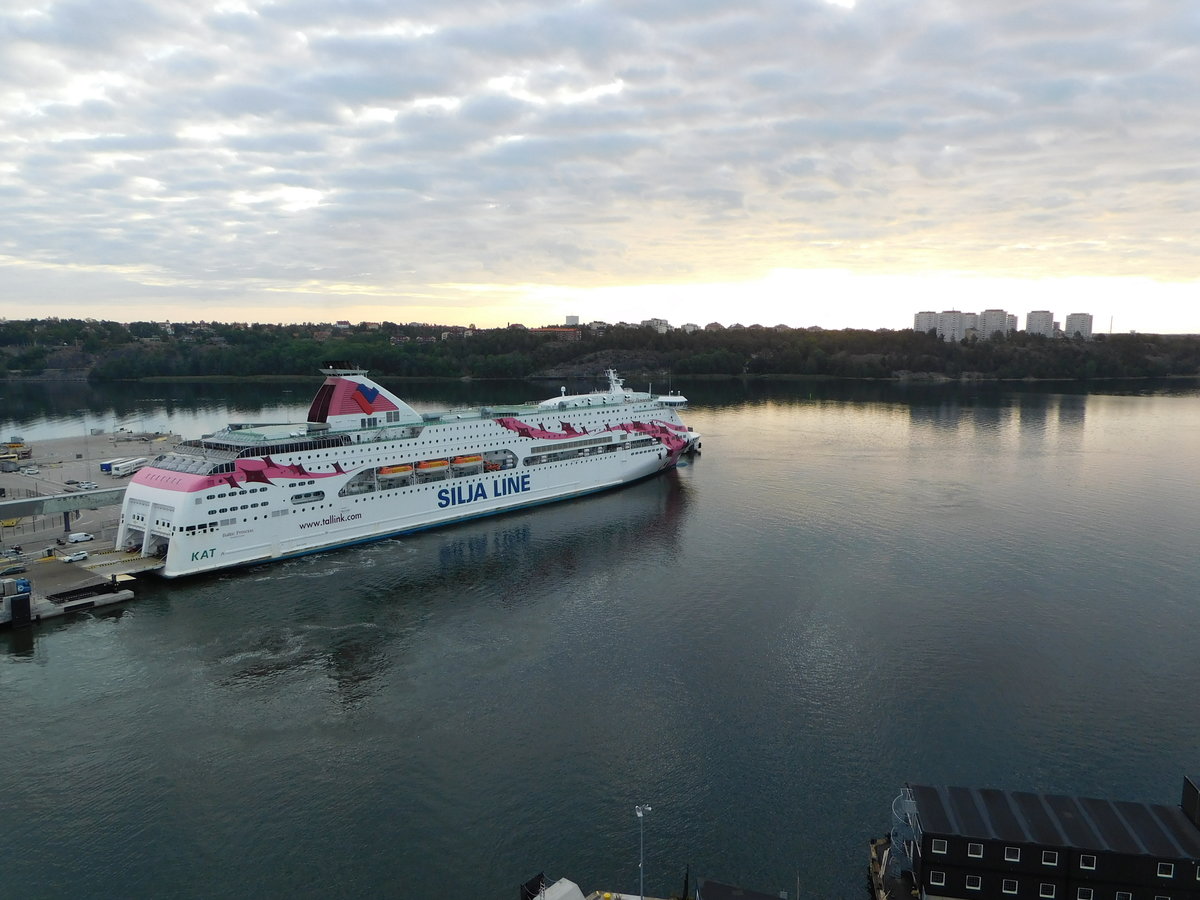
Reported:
(113, 351)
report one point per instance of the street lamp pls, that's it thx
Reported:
(640, 810)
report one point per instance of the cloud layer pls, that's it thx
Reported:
(315, 154)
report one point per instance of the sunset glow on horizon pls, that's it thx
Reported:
(837, 164)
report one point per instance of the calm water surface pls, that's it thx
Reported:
(851, 588)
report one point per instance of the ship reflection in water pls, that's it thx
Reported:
(349, 617)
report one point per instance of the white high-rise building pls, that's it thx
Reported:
(991, 321)
(970, 323)
(572, 321)
(950, 326)
(1079, 323)
(659, 325)
(1040, 321)
(924, 322)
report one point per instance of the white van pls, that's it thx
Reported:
(78, 537)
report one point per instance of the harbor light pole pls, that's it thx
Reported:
(641, 850)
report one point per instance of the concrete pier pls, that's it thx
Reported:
(59, 587)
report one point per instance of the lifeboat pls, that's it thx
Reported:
(427, 465)
(396, 470)
(468, 460)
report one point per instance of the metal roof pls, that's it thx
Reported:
(1083, 823)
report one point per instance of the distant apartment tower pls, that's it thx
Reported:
(1079, 323)
(659, 325)
(950, 325)
(925, 322)
(572, 321)
(1040, 321)
(991, 321)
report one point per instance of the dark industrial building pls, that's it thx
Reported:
(987, 844)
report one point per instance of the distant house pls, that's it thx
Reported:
(343, 324)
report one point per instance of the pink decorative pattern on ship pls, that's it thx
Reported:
(246, 471)
(665, 432)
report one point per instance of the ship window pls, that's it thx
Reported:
(939, 845)
(1049, 858)
(1046, 890)
(1166, 870)
(1012, 854)
(1009, 886)
(938, 878)
(1083, 894)
(974, 883)
(1087, 861)
(222, 509)
(1124, 895)
(975, 851)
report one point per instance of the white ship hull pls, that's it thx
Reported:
(253, 494)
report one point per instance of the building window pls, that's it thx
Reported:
(1166, 870)
(974, 883)
(976, 851)
(1012, 854)
(1046, 890)
(937, 878)
(1083, 894)
(1009, 885)
(1087, 861)
(1124, 895)
(1049, 857)
(939, 845)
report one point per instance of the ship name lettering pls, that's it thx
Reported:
(459, 494)
(198, 555)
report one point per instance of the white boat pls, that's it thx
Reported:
(366, 465)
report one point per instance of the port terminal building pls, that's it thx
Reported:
(1011, 845)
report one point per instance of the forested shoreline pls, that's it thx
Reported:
(109, 351)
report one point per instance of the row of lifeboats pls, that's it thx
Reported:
(436, 466)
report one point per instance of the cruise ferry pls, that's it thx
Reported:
(365, 466)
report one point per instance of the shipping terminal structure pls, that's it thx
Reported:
(365, 465)
(957, 842)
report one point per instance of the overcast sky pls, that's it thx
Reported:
(805, 162)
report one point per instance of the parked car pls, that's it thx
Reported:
(78, 537)
(70, 481)
(31, 470)
(12, 570)
(87, 485)
(77, 556)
